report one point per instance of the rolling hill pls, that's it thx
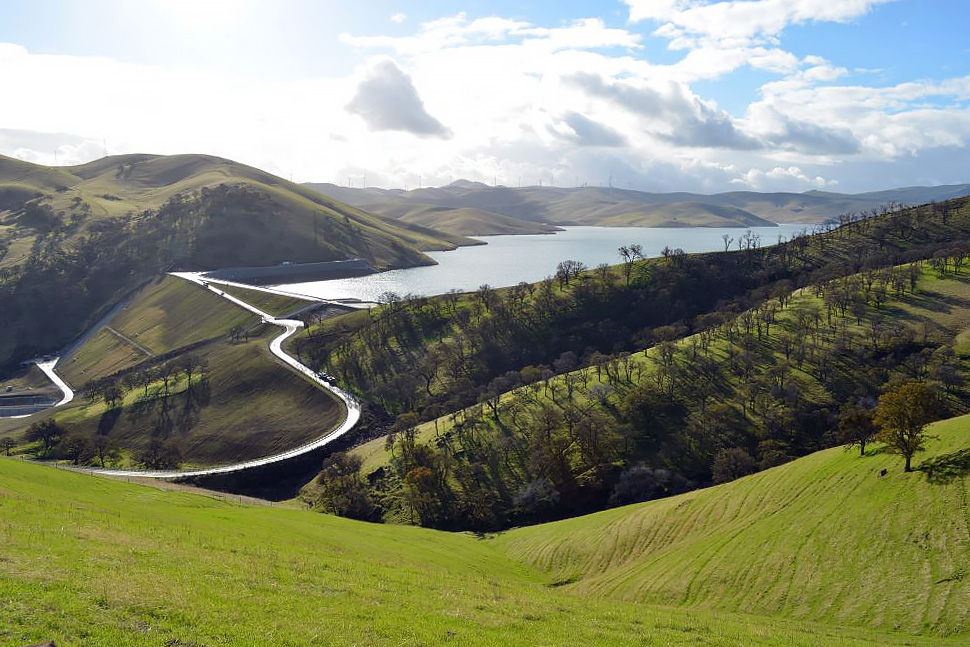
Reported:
(460, 221)
(98, 230)
(124, 564)
(825, 538)
(774, 391)
(617, 207)
(311, 227)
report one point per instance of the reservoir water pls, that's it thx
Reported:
(507, 260)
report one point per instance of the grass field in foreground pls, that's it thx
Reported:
(824, 538)
(96, 562)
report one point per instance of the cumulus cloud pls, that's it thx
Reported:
(48, 148)
(398, 18)
(783, 131)
(499, 97)
(584, 131)
(386, 99)
(688, 121)
(780, 178)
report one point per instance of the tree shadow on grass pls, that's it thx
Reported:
(108, 419)
(947, 467)
(934, 301)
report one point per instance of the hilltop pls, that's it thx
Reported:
(616, 207)
(98, 230)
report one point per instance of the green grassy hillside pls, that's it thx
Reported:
(825, 537)
(86, 561)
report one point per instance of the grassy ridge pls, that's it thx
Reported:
(121, 564)
(824, 538)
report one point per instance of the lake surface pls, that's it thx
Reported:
(507, 260)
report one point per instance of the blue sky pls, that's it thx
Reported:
(703, 95)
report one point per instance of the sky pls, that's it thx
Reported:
(654, 95)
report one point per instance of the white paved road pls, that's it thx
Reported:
(47, 366)
(290, 326)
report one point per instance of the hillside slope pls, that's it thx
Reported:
(94, 562)
(825, 537)
(685, 214)
(239, 402)
(98, 230)
(768, 384)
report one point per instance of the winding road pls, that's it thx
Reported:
(290, 326)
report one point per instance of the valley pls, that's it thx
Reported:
(652, 446)
(605, 323)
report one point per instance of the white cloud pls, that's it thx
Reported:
(742, 21)
(386, 99)
(780, 178)
(494, 96)
(398, 18)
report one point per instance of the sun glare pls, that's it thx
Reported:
(202, 14)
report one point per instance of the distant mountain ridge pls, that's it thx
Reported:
(603, 206)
